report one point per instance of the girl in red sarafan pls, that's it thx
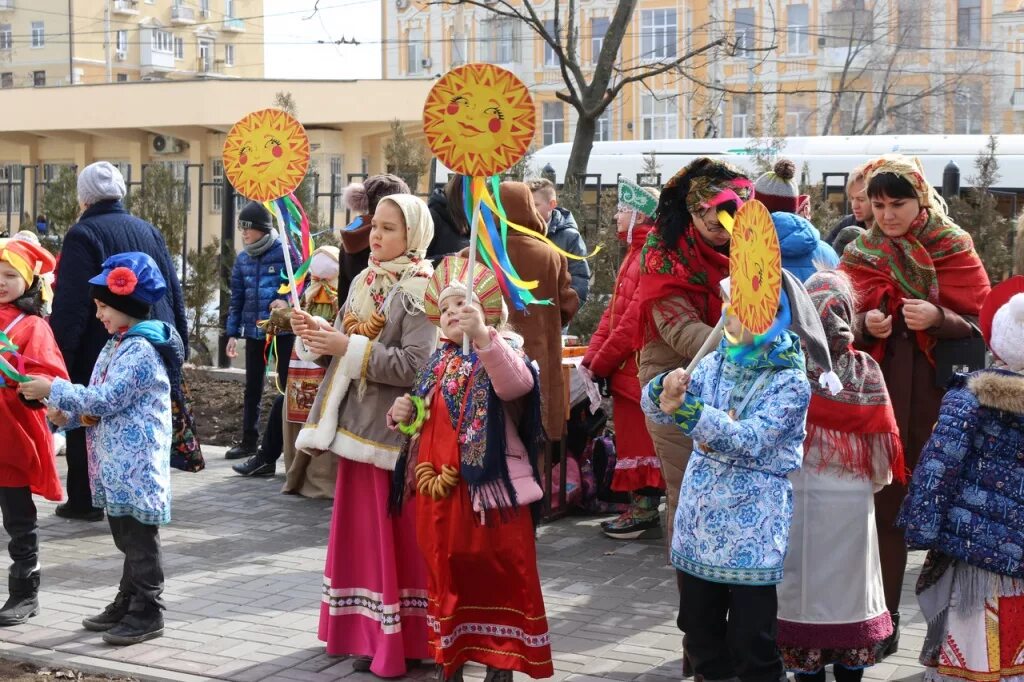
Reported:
(27, 463)
(472, 462)
(612, 355)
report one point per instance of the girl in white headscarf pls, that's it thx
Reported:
(375, 580)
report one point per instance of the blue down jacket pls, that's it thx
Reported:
(254, 285)
(966, 498)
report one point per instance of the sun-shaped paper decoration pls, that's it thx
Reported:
(755, 268)
(266, 155)
(479, 119)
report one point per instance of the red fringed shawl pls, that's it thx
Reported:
(934, 261)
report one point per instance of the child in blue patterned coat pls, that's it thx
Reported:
(745, 408)
(126, 409)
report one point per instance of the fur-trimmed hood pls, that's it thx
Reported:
(998, 389)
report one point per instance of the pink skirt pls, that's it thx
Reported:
(375, 581)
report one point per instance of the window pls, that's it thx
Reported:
(6, 39)
(6, 79)
(908, 114)
(414, 50)
(13, 173)
(968, 109)
(163, 41)
(797, 23)
(797, 116)
(968, 23)
(554, 122)
(337, 161)
(909, 22)
(460, 50)
(122, 41)
(122, 78)
(179, 48)
(851, 113)
(603, 133)
(659, 117)
(745, 30)
(39, 78)
(204, 8)
(205, 56)
(499, 42)
(598, 29)
(658, 34)
(550, 56)
(229, 55)
(742, 108)
(229, 8)
(38, 34)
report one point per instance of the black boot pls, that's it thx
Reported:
(111, 616)
(244, 450)
(255, 467)
(497, 675)
(892, 643)
(844, 674)
(135, 627)
(22, 600)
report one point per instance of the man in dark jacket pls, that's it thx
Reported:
(564, 232)
(451, 228)
(255, 281)
(104, 229)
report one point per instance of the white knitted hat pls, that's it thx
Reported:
(1008, 333)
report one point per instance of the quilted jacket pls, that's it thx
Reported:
(254, 285)
(966, 498)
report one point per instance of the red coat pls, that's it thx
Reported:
(27, 458)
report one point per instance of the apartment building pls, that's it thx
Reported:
(819, 66)
(63, 42)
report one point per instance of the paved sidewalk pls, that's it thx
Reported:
(244, 566)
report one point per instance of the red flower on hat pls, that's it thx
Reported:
(122, 281)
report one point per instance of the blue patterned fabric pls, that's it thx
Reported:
(966, 497)
(736, 503)
(130, 447)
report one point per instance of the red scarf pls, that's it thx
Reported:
(693, 269)
(934, 261)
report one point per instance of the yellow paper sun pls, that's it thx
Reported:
(755, 268)
(266, 155)
(479, 119)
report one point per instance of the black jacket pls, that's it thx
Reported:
(105, 229)
(447, 238)
(847, 221)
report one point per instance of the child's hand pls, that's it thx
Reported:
(471, 322)
(325, 341)
(402, 411)
(278, 303)
(674, 390)
(57, 417)
(231, 350)
(302, 322)
(36, 389)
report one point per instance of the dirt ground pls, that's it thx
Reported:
(218, 407)
(26, 672)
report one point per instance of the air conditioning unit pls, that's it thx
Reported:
(121, 55)
(164, 144)
(402, 4)
(425, 63)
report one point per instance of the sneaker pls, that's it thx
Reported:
(111, 616)
(254, 466)
(242, 450)
(361, 664)
(635, 529)
(135, 627)
(88, 514)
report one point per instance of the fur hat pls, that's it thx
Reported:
(362, 197)
(1002, 322)
(777, 189)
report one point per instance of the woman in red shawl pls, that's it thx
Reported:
(678, 299)
(27, 463)
(919, 282)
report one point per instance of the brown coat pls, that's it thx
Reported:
(540, 325)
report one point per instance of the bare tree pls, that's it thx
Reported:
(588, 90)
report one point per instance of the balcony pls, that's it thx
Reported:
(182, 15)
(123, 7)
(6, 5)
(1017, 100)
(846, 57)
(209, 67)
(234, 25)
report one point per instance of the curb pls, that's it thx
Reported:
(51, 658)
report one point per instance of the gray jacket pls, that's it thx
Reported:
(562, 230)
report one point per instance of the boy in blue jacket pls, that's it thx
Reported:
(255, 279)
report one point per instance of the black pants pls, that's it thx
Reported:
(273, 438)
(255, 378)
(730, 629)
(19, 512)
(143, 575)
(79, 492)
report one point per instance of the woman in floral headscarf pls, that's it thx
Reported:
(919, 282)
(679, 300)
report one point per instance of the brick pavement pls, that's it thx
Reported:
(244, 565)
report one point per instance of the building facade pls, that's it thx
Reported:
(60, 42)
(813, 66)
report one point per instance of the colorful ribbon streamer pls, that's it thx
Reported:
(6, 368)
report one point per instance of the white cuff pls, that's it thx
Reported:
(353, 365)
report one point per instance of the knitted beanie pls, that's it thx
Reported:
(777, 189)
(255, 216)
(100, 181)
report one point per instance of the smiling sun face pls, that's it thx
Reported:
(479, 119)
(755, 268)
(266, 155)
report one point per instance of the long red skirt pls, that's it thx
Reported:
(485, 603)
(637, 465)
(375, 582)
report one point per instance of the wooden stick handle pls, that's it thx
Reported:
(473, 239)
(713, 340)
